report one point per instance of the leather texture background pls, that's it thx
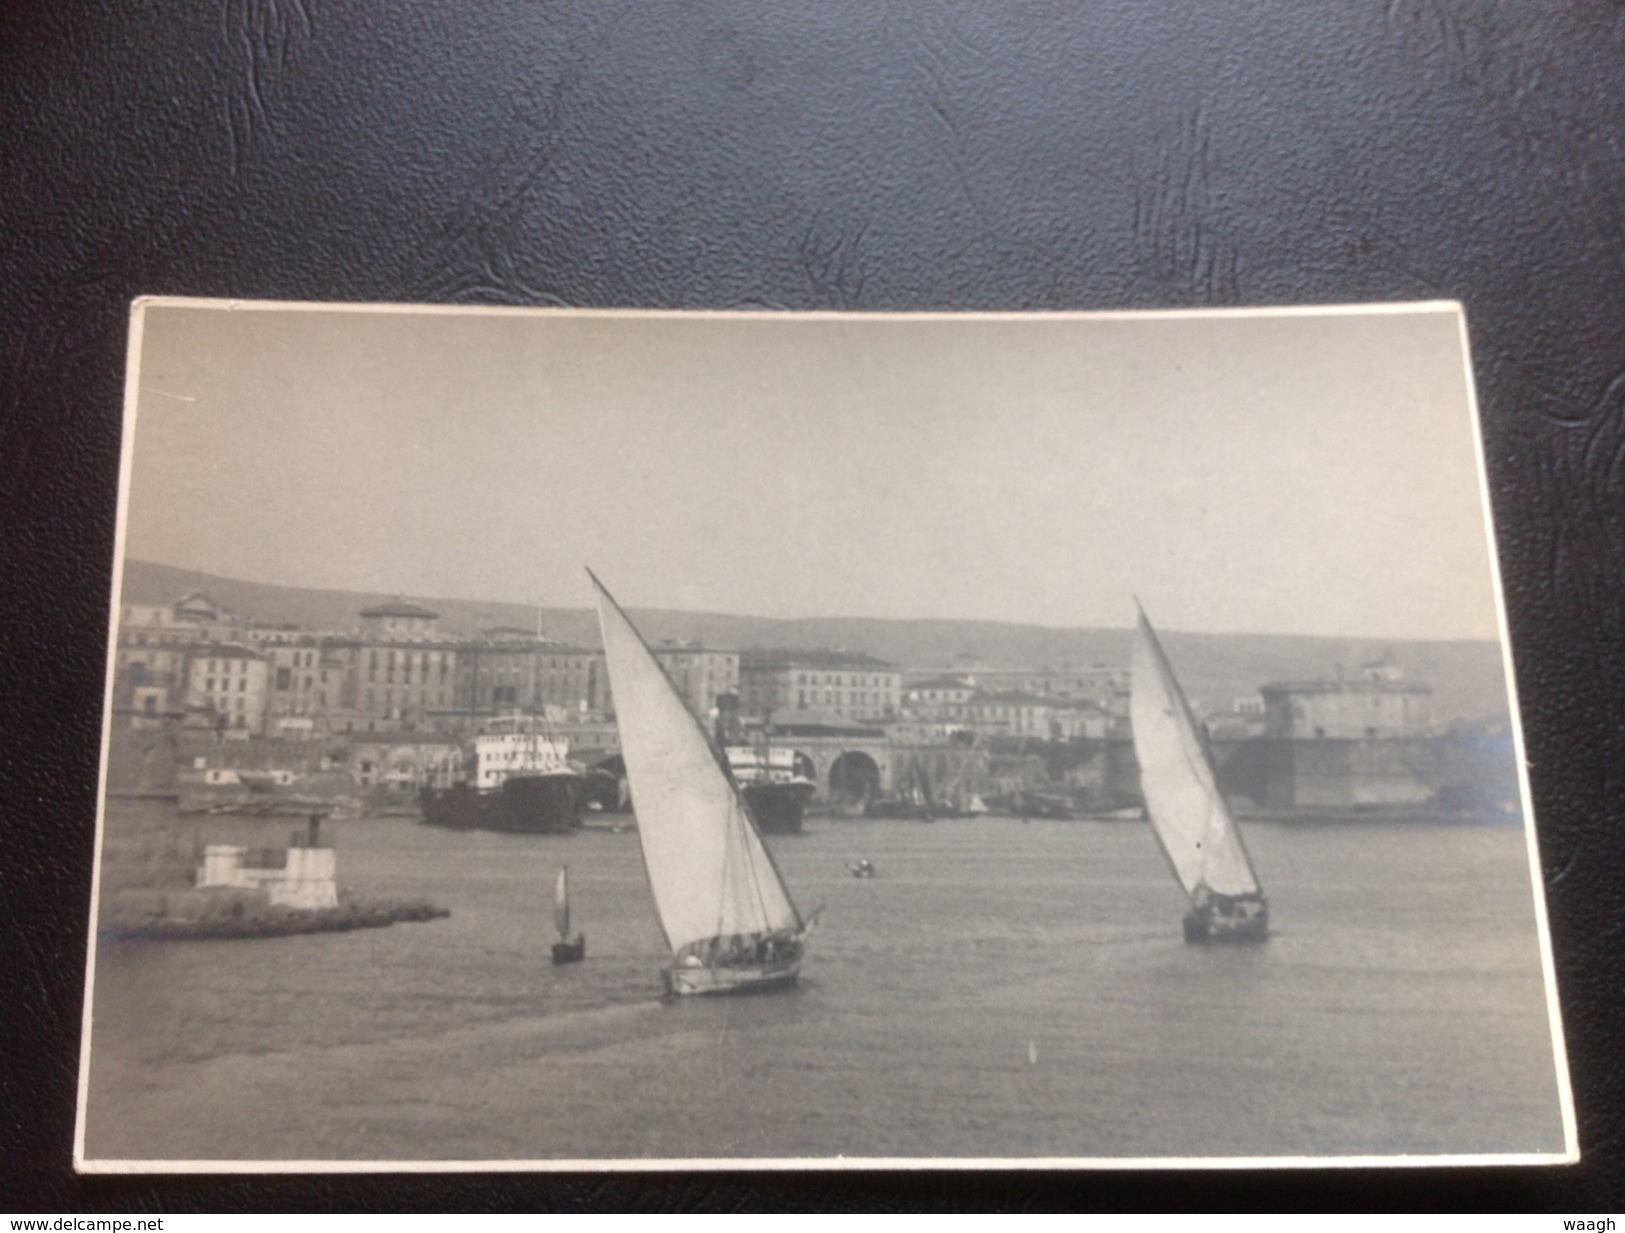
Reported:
(843, 154)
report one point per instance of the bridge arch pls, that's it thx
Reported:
(853, 776)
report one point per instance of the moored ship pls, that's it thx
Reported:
(774, 786)
(522, 781)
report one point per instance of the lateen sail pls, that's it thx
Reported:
(1187, 811)
(561, 904)
(709, 871)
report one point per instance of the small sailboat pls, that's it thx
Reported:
(725, 910)
(1188, 814)
(566, 949)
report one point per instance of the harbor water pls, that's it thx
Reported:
(1000, 989)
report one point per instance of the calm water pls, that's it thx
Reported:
(1000, 989)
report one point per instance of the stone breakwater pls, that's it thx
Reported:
(199, 915)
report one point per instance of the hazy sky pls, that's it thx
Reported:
(1299, 474)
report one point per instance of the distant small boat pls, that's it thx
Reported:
(566, 949)
(724, 908)
(862, 868)
(1188, 814)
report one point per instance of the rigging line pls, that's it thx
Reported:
(755, 877)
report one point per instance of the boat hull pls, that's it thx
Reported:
(523, 804)
(695, 981)
(1242, 921)
(778, 808)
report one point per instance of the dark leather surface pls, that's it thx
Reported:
(838, 155)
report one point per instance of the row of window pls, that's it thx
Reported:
(838, 678)
(423, 698)
(285, 680)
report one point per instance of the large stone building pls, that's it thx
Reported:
(1105, 687)
(1347, 742)
(946, 704)
(841, 683)
(152, 655)
(936, 697)
(508, 670)
(402, 682)
(307, 679)
(1377, 703)
(229, 680)
(701, 674)
(399, 621)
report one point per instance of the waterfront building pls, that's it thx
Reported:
(194, 617)
(910, 731)
(404, 682)
(306, 679)
(399, 621)
(1079, 719)
(843, 683)
(229, 680)
(952, 704)
(1009, 714)
(1380, 702)
(402, 763)
(937, 697)
(1362, 741)
(701, 674)
(1106, 687)
(149, 681)
(507, 670)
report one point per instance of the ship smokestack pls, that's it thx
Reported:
(728, 731)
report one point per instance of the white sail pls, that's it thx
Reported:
(561, 904)
(1187, 811)
(709, 871)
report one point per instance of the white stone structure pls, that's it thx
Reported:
(291, 877)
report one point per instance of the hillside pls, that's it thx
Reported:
(1215, 668)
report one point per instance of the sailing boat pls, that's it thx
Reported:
(723, 906)
(1188, 815)
(566, 949)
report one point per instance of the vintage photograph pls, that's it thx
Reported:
(608, 739)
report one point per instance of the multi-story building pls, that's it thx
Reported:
(1073, 719)
(1379, 703)
(399, 621)
(507, 670)
(151, 656)
(1106, 687)
(842, 683)
(701, 674)
(228, 679)
(953, 704)
(403, 682)
(1009, 714)
(937, 697)
(307, 681)
(149, 682)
